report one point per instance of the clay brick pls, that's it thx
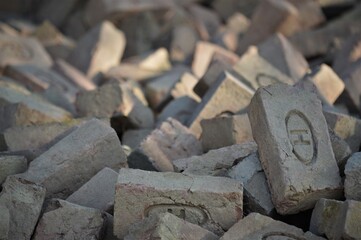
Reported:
(341, 150)
(133, 138)
(112, 99)
(165, 226)
(98, 50)
(179, 109)
(46, 82)
(227, 95)
(24, 201)
(20, 138)
(213, 203)
(257, 197)
(336, 219)
(203, 56)
(225, 131)
(169, 142)
(4, 223)
(353, 177)
(72, 162)
(346, 127)
(290, 61)
(316, 42)
(97, 11)
(55, 12)
(257, 71)
(286, 17)
(10, 165)
(98, 192)
(185, 87)
(20, 108)
(73, 75)
(300, 166)
(215, 162)
(21, 50)
(256, 226)
(55, 43)
(64, 220)
(216, 67)
(328, 83)
(158, 90)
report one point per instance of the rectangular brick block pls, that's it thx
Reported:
(215, 162)
(256, 226)
(75, 159)
(336, 219)
(299, 164)
(225, 131)
(24, 201)
(257, 196)
(214, 203)
(227, 95)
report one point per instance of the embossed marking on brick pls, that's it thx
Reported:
(301, 137)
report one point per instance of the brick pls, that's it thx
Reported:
(336, 219)
(216, 67)
(183, 44)
(20, 138)
(157, 60)
(46, 82)
(166, 226)
(257, 71)
(328, 83)
(112, 99)
(133, 138)
(351, 77)
(257, 197)
(291, 62)
(185, 87)
(98, 192)
(131, 71)
(348, 54)
(341, 150)
(169, 142)
(8, 30)
(55, 43)
(300, 166)
(213, 203)
(179, 109)
(92, 53)
(215, 162)
(227, 7)
(346, 127)
(10, 165)
(335, 3)
(21, 50)
(286, 17)
(4, 223)
(206, 21)
(353, 177)
(71, 162)
(20, 108)
(225, 131)
(256, 226)
(158, 90)
(203, 55)
(55, 12)
(73, 75)
(237, 22)
(64, 220)
(317, 42)
(75, 26)
(227, 95)
(96, 11)
(24, 201)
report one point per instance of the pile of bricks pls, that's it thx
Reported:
(180, 119)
